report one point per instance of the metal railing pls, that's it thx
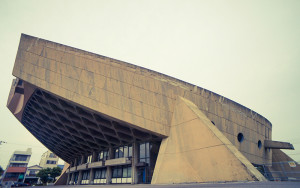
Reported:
(281, 171)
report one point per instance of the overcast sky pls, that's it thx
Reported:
(247, 51)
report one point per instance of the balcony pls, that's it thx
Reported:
(96, 164)
(82, 167)
(118, 161)
(73, 169)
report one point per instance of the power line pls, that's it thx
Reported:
(26, 145)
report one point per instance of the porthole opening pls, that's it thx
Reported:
(240, 137)
(259, 144)
(213, 122)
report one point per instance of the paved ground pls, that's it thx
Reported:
(201, 185)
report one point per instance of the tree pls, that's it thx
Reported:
(48, 174)
(44, 175)
(56, 171)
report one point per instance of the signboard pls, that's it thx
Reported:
(21, 176)
(292, 164)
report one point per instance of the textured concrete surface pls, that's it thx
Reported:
(132, 94)
(196, 151)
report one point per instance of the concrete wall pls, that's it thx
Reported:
(196, 151)
(141, 97)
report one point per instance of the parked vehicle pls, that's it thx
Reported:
(19, 184)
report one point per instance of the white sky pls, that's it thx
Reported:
(247, 51)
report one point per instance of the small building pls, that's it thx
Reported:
(31, 173)
(17, 166)
(49, 160)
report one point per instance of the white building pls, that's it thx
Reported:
(17, 166)
(48, 160)
(31, 173)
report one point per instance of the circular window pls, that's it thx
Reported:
(240, 137)
(259, 144)
(213, 122)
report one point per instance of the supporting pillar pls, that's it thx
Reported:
(68, 179)
(109, 170)
(92, 171)
(91, 180)
(72, 178)
(79, 177)
(134, 177)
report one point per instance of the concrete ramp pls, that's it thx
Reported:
(196, 151)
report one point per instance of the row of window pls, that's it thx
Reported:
(123, 151)
(100, 173)
(18, 165)
(122, 173)
(51, 162)
(21, 157)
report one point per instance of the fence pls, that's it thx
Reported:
(281, 171)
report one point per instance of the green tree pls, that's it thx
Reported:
(44, 175)
(56, 171)
(48, 174)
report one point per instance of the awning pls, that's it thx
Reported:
(16, 169)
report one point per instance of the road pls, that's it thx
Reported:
(201, 185)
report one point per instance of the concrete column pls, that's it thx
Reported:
(79, 177)
(68, 179)
(135, 155)
(72, 177)
(92, 171)
(109, 170)
(94, 158)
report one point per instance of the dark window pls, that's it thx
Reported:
(86, 175)
(76, 177)
(87, 159)
(259, 144)
(102, 155)
(21, 158)
(121, 172)
(100, 173)
(11, 175)
(123, 151)
(52, 155)
(18, 165)
(145, 152)
(240, 137)
(51, 162)
(20, 82)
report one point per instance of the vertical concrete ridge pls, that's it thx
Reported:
(196, 151)
(62, 179)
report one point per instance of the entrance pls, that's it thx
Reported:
(142, 175)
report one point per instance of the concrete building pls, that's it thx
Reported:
(48, 160)
(114, 122)
(17, 166)
(31, 173)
